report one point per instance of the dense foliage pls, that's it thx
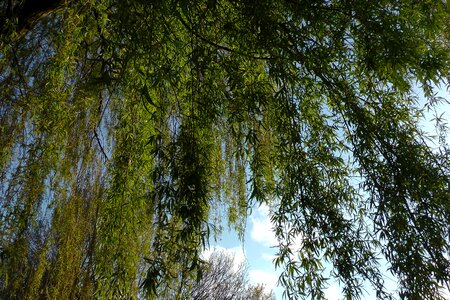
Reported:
(128, 128)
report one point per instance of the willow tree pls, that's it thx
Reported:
(129, 129)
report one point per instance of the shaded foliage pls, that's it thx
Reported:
(128, 128)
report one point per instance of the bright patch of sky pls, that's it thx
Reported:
(237, 253)
(263, 252)
(441, 110)
(333, 292)
(259, 251)
(268, 278)
(261, 227)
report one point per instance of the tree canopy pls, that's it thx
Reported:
(129, 129)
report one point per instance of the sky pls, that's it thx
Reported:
(258, 251)
(258, 247)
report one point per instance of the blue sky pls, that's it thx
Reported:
(258, 252)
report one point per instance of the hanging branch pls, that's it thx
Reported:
(204, 39)
(101, 146)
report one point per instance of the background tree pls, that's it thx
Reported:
(127, 127)
(225, 279)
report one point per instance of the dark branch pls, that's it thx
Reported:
(191, 30)
(101, 146)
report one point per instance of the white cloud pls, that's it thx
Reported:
(269, 279)
(262, 228)
(446, 293)
(332, 292)
(236, 252)
(262, 231)
(268, 257)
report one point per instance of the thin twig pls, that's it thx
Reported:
(100, 145)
